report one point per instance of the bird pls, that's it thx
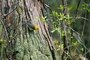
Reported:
(31, 26)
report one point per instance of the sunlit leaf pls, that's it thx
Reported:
(61, 7)
(88, 9)
(75, 43)
(63, 33)
(84, 4)
(82, 49)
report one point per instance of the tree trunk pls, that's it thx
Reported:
(20, 42)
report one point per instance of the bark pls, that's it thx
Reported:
(21, 43)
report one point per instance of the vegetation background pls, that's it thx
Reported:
(81, 25)
(44, 30)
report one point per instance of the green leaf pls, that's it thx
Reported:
(75, 43)
(53, 31)
(84, 4)
(37, 18)
(61, 46)
(2, 41)
(62, 16)
(43, 19)
(82, 49)
(55, 13)
(61, 7)
(88, 9)
(63, 33)
(19, 9)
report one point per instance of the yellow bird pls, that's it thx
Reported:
(32, 26)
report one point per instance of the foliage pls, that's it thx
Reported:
(75, 41)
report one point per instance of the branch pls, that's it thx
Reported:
(77, 8)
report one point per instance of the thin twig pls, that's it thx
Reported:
(77, 8)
